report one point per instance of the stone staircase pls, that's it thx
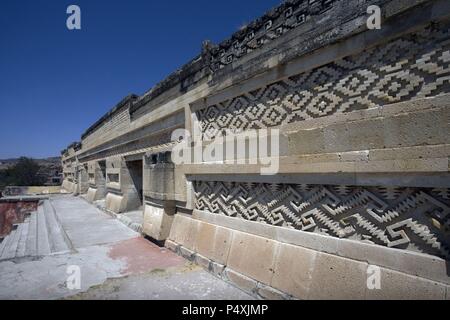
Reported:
(40, 234)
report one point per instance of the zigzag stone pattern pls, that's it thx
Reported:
(289, 15)
(415, 219)
(413, 66)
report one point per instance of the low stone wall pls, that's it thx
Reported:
(30, 190)
(275, 262)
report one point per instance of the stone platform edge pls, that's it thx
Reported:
(292, 264)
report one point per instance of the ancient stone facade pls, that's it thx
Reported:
(390, 216)
(362, 118)
(410, 67)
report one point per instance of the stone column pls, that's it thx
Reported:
(97, 180)
(131, 182)
(83, 180)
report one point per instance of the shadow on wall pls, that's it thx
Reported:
(135, 169)
(13, 212)
(30, 190)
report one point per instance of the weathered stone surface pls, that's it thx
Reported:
(342, 211)
(91, 194)
(157, 222)
(213, 242)
(114, 202)
(217, 268)
(294, 270)
(186, 253)
(412, 263)
(172, 246)
(202, 261)
(184, 231)
(334, 277)
(399, 286)
(269, 293)
(364, 152)
(159, 179)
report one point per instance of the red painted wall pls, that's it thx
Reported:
(14, 212)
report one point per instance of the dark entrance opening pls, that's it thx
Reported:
(102, 165)
(135, 169)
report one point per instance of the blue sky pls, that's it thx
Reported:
(54, 83)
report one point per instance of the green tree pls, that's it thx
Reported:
(4, 179)
(24, 173)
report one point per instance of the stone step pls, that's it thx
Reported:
(10, 251)
(23, 238)
(40, 234)
(55, 232)
(31, 243)
(43, 245)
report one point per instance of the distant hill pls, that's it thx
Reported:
(46, 162)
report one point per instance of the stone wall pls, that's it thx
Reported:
(362, 177)
(410, 67)
(13, 211)
(30, 190)
(115, 125)
(409, 218)
(280, 263)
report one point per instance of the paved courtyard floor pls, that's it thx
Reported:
(114, 262)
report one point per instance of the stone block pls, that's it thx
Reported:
(157, 222)
(202, 261)
(91, 194)
(294, 269)
(205, 237)
(217, 268)
(184, 230)
(419, 128)
(241, 281)
(186, 253)
(213, 242)
(352, 136)
(159, 181)
(114, 202)
(270, 293)
(172, 246)
(409, 262)
(354, 156)
(314, 241)
(338, 278)
(423, 152)
(400, 286)
(253, 256)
